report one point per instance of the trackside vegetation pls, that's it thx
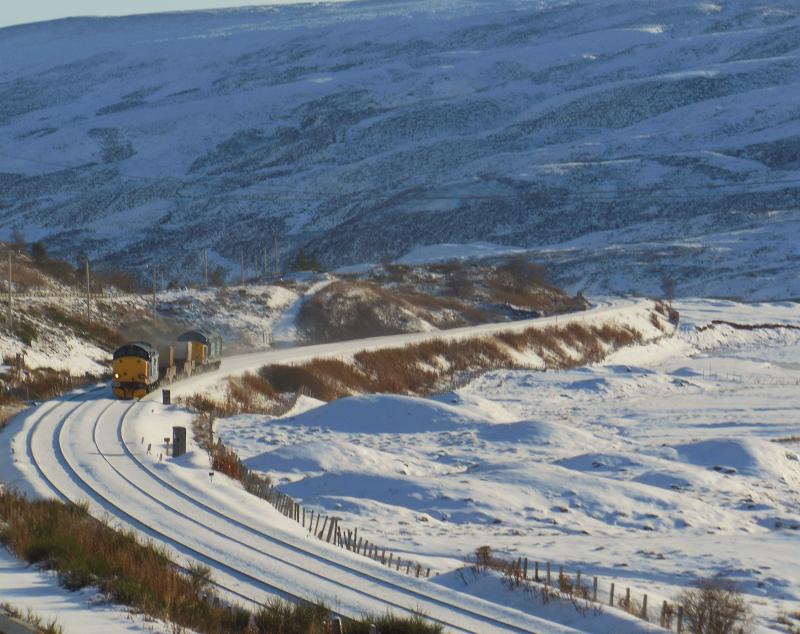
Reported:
(138, 573)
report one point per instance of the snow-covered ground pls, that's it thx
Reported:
(669, 461)
(84, 612)
(111, 454)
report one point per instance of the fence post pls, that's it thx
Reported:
(390, 559)
(408, 567)
(594, 591)
(324, 524)
(611, 596)
(644, 607)
(680, 619)
(525, 569)
(536, 570)
(662, 620)
(304, 517)
(627, 599)
(419, 569)
(428, 574)
(577, 580)
(383, 557)
(548, 573)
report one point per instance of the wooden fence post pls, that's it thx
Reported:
(644, 607)
(322, 532)
(525, 569)
(428, 574)
(408, 567)
(304, 517)
(627, 599)
(680, 619)
(594, 591)
(611, 596)
(662, 620)
(383, 557)
(390, 559)
(578, 580)
(548, 573)
(536, 570)
(419, 569)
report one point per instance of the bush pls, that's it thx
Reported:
(291, 378)
(24, 331)
(715, 606)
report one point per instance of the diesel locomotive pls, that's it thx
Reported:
(139, 368)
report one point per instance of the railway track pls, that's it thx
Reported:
(72, 461)
(61, 493)
(77, 448)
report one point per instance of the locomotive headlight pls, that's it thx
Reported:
(116, 375)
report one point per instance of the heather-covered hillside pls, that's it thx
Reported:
(629, 138)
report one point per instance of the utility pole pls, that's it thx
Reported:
(242, 267)
(88, 294)
(154, 291)
(10, 317)
(205, 265)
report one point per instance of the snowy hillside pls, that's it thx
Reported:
(633, 137)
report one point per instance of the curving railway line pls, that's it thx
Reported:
(83, 448)
(76, 447)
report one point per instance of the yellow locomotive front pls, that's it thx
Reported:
(135, 370)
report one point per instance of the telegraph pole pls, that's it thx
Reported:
(88, 294)
(10, 317)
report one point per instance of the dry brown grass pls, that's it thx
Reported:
(86, 552)
(434, 365)
(94, 330)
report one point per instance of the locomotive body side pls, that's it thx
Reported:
(206, 348)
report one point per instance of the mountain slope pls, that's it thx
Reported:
(364, 129)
